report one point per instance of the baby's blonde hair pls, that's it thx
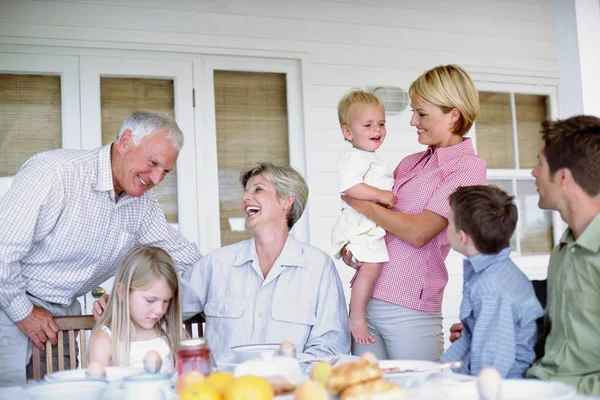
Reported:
(140, 267)
(353, 99)
(449, 87)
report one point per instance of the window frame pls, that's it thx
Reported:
(529, 263)
(206, 135)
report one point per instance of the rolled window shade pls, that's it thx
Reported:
(30, 118)
(252, 126)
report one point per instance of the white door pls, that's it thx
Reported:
(111, 89)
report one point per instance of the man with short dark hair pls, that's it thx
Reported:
(568, 180)
(499, 308)
(66, 222)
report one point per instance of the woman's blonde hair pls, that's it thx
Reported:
(287, 182)
(140, 267)
(449, 87)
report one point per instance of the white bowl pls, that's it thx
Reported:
(90, 389)
(250, 351)
(112, 374)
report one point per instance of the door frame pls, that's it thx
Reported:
(206, 135)
(93, 68)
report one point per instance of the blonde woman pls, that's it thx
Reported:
(143, 314)
(404, 313)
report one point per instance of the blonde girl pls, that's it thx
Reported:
(143, 312)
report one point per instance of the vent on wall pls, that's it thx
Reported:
(394, 99)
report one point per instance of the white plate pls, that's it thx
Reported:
(408, 379)
(512, 389)
(112, 374)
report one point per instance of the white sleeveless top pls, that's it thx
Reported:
(138, 350)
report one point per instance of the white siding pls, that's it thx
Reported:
(343, 44)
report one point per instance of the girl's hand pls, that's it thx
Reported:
(100, 306)
(349, 259)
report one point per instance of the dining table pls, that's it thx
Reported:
(444, 385)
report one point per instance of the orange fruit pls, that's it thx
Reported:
(249, 387)
(199, 391)
(219, 381)
(187, 379)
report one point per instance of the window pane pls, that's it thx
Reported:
(535, 223)
(120, 97)
(506, 185)
(531, 111)
(251, 117)
(30, 118)
(494, 131)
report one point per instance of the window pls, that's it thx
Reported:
(508, 138)
(252, 125)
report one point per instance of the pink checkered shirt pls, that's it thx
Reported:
(415, 277)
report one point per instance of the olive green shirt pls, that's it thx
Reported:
(572, 352)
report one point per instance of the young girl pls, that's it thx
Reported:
(362, 175)
(143, 312)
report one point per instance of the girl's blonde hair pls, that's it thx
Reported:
(448, 87)
(140, 267)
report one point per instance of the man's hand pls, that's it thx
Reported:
(39, 326)
(349, 259)
(100, 306)
(387, 198)
(456, 331)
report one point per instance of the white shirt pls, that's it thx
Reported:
(300, 300)
(62, 233)
(359, 166)
(138, 351)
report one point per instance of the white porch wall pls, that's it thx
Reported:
(343, 44)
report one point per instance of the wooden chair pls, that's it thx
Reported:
(72, 326)
(198, 320)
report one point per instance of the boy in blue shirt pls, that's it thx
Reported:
(499, 308)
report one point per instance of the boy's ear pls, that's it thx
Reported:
(347, 133)
(464, 238)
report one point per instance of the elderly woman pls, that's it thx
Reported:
(404, 313)
(272, 287)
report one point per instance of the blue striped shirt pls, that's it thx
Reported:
(499, 311)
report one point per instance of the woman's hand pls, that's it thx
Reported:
(349, 259)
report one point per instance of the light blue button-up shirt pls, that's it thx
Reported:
(301, 300)
(499, 310)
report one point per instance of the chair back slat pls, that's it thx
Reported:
(61, 347)
(48, 357)
(73, 360)
(198, 320)
(83, 345)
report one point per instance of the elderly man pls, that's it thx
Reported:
(67, 220)
(567, 180)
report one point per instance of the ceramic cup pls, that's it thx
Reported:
(148, 387)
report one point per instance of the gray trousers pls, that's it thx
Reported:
(402, 333)
(15, 346)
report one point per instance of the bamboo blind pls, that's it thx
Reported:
(252, 125)
(120, 97)
(30, 118)
(494, 130)
(531, 110)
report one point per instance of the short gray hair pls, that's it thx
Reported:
(287, 182)
(145, 123)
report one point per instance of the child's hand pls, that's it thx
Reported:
(387, 198)
(456, 331)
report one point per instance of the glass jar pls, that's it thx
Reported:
(193, 354)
